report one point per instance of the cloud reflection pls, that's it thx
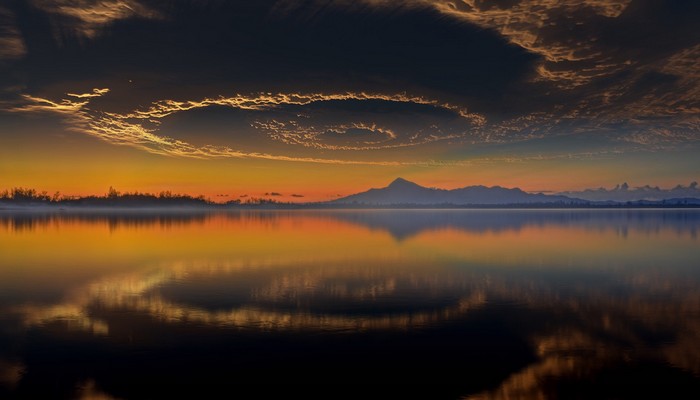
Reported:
(10, 373)
(139, 294)
(584, 295)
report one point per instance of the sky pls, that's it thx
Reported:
(317, 99)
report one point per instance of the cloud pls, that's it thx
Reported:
(599, 52)
(163, 108)
(38, 104)
(472, 79)
(88, 17)
(613, 66)
(246, 46)
(553, 29)
(139, 128)
(321, 134)
(95, 93)
(12, 45)
(537, 27)
(292, 132)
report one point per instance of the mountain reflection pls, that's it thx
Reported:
(591, 293)
(399, 223)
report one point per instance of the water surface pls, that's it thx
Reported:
(477, 303)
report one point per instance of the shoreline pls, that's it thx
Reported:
(320, 207)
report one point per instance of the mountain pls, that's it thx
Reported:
(625, 193)
(401, 191)
(679, 202)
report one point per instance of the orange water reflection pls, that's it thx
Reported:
(622, 279)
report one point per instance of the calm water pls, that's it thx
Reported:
(480, 304)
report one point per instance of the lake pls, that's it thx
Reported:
(476, 303)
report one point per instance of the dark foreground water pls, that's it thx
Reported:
(478, 304)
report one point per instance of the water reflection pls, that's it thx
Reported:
(10, 373)
(399, 223)
(20, 221)
(270, 306)
(535, 304)
(406, 223)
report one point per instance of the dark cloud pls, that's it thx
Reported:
(245, 46)
(219, 78)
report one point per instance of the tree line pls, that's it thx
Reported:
(113, 197)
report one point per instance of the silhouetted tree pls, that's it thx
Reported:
(112, 193)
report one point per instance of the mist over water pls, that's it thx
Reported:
(477, 303)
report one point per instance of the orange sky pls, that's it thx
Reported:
(76, 164)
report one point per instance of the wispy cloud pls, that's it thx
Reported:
(88, 17)
(139, 128)
(536, 26)
(340, 136)
(12, 45)
(163, 108)
(95, 93)
(38, 104)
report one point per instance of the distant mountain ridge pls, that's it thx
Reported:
(401, 191)
(625, 193)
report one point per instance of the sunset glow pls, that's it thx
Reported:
(445, 94)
